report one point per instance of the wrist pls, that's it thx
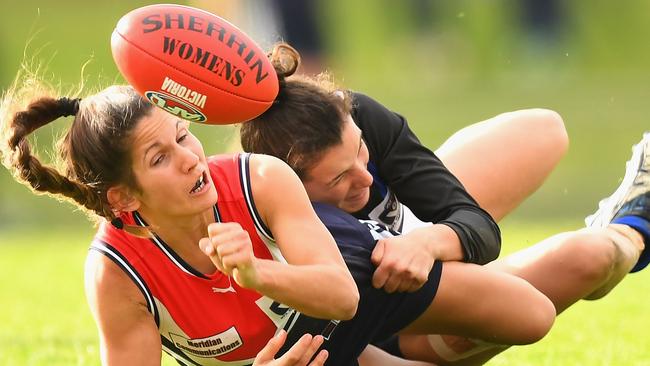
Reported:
(254, 276)
(443, 243)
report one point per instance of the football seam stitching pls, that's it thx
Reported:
(186, 73)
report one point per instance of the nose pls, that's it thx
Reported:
(188, 160)
(363, 178)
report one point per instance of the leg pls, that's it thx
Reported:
(585, 264)
(506, 310)
(589, 262)
(503, 160)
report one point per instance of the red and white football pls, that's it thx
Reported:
(193, 64)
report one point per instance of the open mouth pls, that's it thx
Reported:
(200, 184)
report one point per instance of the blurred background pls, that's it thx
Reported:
(442, 64)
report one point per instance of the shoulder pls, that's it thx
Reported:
(107, 264)
(222, 161)
(273, 183)
(106, 283)
(269, 169)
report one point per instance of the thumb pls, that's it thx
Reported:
(206, 247)
(378, 253)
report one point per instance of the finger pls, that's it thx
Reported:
(206, 247)
(238, 260)
(378, 253)
(313, 346)
(272, 347)
(227, 237)
(295, 353)
(392, 283)
(320, 359)
(234, 245)
(415, 286)
(217, 228)
(380, 276)
(409, 286)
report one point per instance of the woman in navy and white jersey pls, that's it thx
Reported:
(352, 152)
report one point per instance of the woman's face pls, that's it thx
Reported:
(170, 167)
(340, 177)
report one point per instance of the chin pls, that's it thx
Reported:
(352, 207)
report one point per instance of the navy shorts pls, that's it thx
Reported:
(380, 314)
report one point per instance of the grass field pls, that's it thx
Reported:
(45, 319)
(472, 64)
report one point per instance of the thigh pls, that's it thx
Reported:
(477, 302)
(569, 266)
(503, 160)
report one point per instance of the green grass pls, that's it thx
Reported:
(45, 319)
(473, 63)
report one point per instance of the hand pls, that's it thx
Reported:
(298, 355)
(403, 262)
(229, 247)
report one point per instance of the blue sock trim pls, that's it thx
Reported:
(641, 225)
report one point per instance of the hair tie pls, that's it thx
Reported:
(117, 223)
(69, 107)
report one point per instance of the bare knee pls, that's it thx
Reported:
(546, 127)
(590, 255)
(538, 322)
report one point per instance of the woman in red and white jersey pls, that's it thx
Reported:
(149, 284)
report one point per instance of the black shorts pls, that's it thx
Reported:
(380, 314)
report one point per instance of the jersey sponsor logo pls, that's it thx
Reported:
(175, 106)
(209, 347)
(377, 230)
(388, 212)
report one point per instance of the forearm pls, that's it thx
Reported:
(439, 241)
(319, 290)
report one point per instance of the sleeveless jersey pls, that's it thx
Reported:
(204, 319)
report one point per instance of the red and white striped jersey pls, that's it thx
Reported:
(204, 319)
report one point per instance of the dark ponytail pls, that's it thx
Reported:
(95, 150)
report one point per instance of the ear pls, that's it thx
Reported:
(121, 199)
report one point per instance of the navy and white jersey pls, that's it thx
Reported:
(412, 186)
(379, 314)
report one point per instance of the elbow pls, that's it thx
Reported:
(349, 302)
(486, 247)
(495, 249)
(348, 311)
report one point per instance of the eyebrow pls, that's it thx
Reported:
(156, 144)
(343, 172)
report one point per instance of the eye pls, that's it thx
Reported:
(336, 180)
(181, 138)
(159, 159)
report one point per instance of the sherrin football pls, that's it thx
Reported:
(193, 64)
